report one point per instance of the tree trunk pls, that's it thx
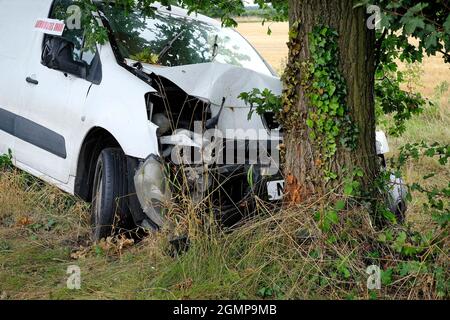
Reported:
(304, 168)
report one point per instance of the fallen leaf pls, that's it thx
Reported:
(80, 254)
(187, 284)
(24, 221)
(124, 243)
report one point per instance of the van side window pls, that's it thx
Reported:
(76, 36)
(68, 53)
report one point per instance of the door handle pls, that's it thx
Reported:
(32, 81)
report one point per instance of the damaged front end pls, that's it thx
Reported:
(231, 192)
(209, 151)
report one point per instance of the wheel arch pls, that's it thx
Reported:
(96, 140)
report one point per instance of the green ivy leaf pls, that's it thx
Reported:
(431, 40)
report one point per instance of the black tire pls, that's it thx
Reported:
(109, 213)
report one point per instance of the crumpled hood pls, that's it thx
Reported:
(214, 81)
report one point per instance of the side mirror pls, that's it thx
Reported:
(58, 54)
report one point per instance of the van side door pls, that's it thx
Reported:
(54, 100)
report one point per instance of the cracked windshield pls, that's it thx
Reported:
(170, 40)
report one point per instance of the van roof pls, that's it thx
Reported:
(178, 11)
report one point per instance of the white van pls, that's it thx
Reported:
(104, 123)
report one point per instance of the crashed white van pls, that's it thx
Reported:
(110, 124)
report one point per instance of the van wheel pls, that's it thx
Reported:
(109, 213)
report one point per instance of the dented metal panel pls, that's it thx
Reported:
(214, 81)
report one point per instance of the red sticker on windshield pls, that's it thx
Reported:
(50, 26)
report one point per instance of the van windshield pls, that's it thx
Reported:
(171, 40)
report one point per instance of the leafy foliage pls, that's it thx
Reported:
(392, 99)
(438, 198)
(261, 101)
(328, 117)
(146, 56)
(427, 22)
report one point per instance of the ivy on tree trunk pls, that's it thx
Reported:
(308, 169)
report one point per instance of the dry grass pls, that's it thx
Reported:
(283, 256)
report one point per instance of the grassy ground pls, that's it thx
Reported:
(43, 231)
(282, 256)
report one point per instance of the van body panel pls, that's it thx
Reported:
(118, 106)
(17, 20)
(63, 104)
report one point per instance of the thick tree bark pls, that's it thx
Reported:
(305, 177)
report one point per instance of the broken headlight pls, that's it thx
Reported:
(152, 189)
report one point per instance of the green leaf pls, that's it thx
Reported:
(431, 41)
(386, 276)
(429, 176)
(410, 268)
(332, 89)
(400, 241)
(250, 177)
(447, 25)
(332, 217)
(348, 189)
(418, 8)
(359, 173)
(340, 205)
(413, 23)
